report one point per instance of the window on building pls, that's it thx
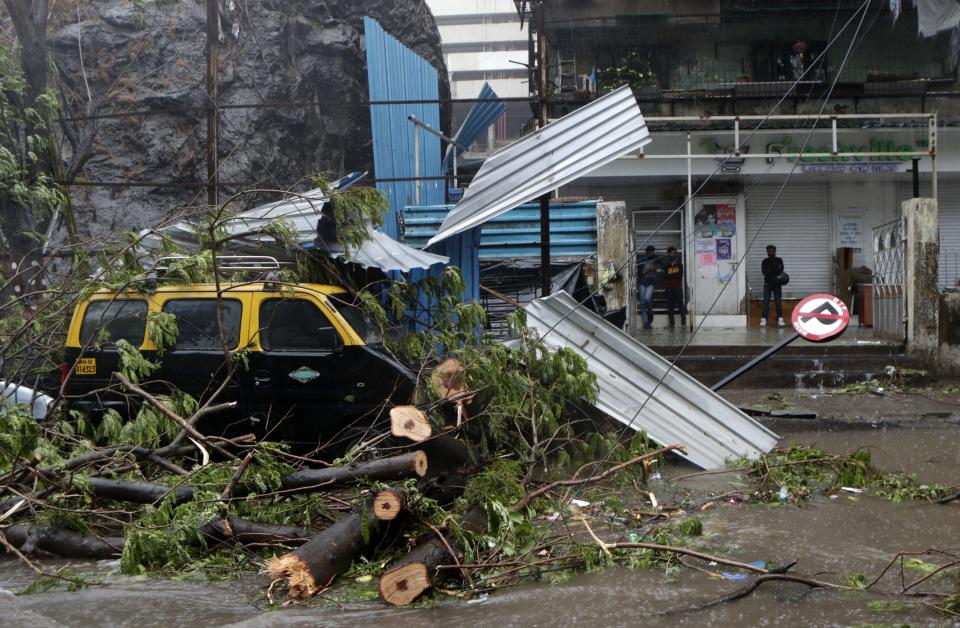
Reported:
(789, 61)
(295, 325)
(197, 323)
(110, 321)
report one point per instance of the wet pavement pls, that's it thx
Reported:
(829, 537)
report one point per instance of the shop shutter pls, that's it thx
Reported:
(799, 226)
(949, 193)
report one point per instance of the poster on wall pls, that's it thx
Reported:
(705, 222)
(727, 220)
(724, 249)
(850, 231)
(704, 245)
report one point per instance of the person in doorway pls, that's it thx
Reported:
(647, 279)
(772, 269)
(673, 269)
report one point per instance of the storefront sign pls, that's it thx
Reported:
(849, 163)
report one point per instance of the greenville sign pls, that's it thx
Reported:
(849, 163)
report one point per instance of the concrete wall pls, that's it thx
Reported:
(613, 273)
(922, 285)
(949, 341)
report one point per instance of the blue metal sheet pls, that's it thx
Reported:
(516, 233)
(481, 115)
(394, 72)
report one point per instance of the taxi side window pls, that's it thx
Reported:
(110, 321)
(295, 325)
(197, 323)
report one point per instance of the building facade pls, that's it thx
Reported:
(483, 41)
(696, 65)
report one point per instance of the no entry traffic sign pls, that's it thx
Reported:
(820, 317)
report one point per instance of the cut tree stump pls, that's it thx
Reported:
(314, 566)
(409, 465)
(388, 504)
(409, 422)
(417, 572)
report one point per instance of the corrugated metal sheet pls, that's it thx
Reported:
(481, 115)
(562, 151)
(516, 233)
(680, 410)
(302, 212)
(383, 252)
(394, 72)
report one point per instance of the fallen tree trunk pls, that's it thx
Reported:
(413, 464)
(61, 542)
(406, 580)
(313, 566)
(137, 492)
(235, 529)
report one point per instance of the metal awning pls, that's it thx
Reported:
(383, 252)
(679, 410)
(249, 233)
(562, 151)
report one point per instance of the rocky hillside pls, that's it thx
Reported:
(149, 56)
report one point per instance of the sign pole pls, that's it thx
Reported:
(817, 318)
(757, 360)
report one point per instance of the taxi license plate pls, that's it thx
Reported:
(86, 366)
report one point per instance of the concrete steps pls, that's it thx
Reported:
(801, 366)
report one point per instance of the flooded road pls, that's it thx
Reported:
(831, 538)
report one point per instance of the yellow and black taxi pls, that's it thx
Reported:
(311, 364)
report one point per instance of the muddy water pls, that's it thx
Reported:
(831, 538)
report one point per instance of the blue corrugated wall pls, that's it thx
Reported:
(516, 233)
(394, 72)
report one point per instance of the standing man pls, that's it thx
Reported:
(772, 269)
(647, 278)
(673, 270)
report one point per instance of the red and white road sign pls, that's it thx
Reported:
(820, 317)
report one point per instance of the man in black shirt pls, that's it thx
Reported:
(772, 268)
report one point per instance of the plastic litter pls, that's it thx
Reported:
(783, 494)
(579, 503)
(850, 489)
(633, 537)
(760, 564)
(734, 576)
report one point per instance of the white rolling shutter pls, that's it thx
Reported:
(949, 207)
(799, 226)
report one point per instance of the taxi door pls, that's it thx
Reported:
(297, 363)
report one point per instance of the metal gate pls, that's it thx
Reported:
(889, 306)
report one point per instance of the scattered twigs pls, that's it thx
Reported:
(526, 499)
(173, 416)
(949, 498)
